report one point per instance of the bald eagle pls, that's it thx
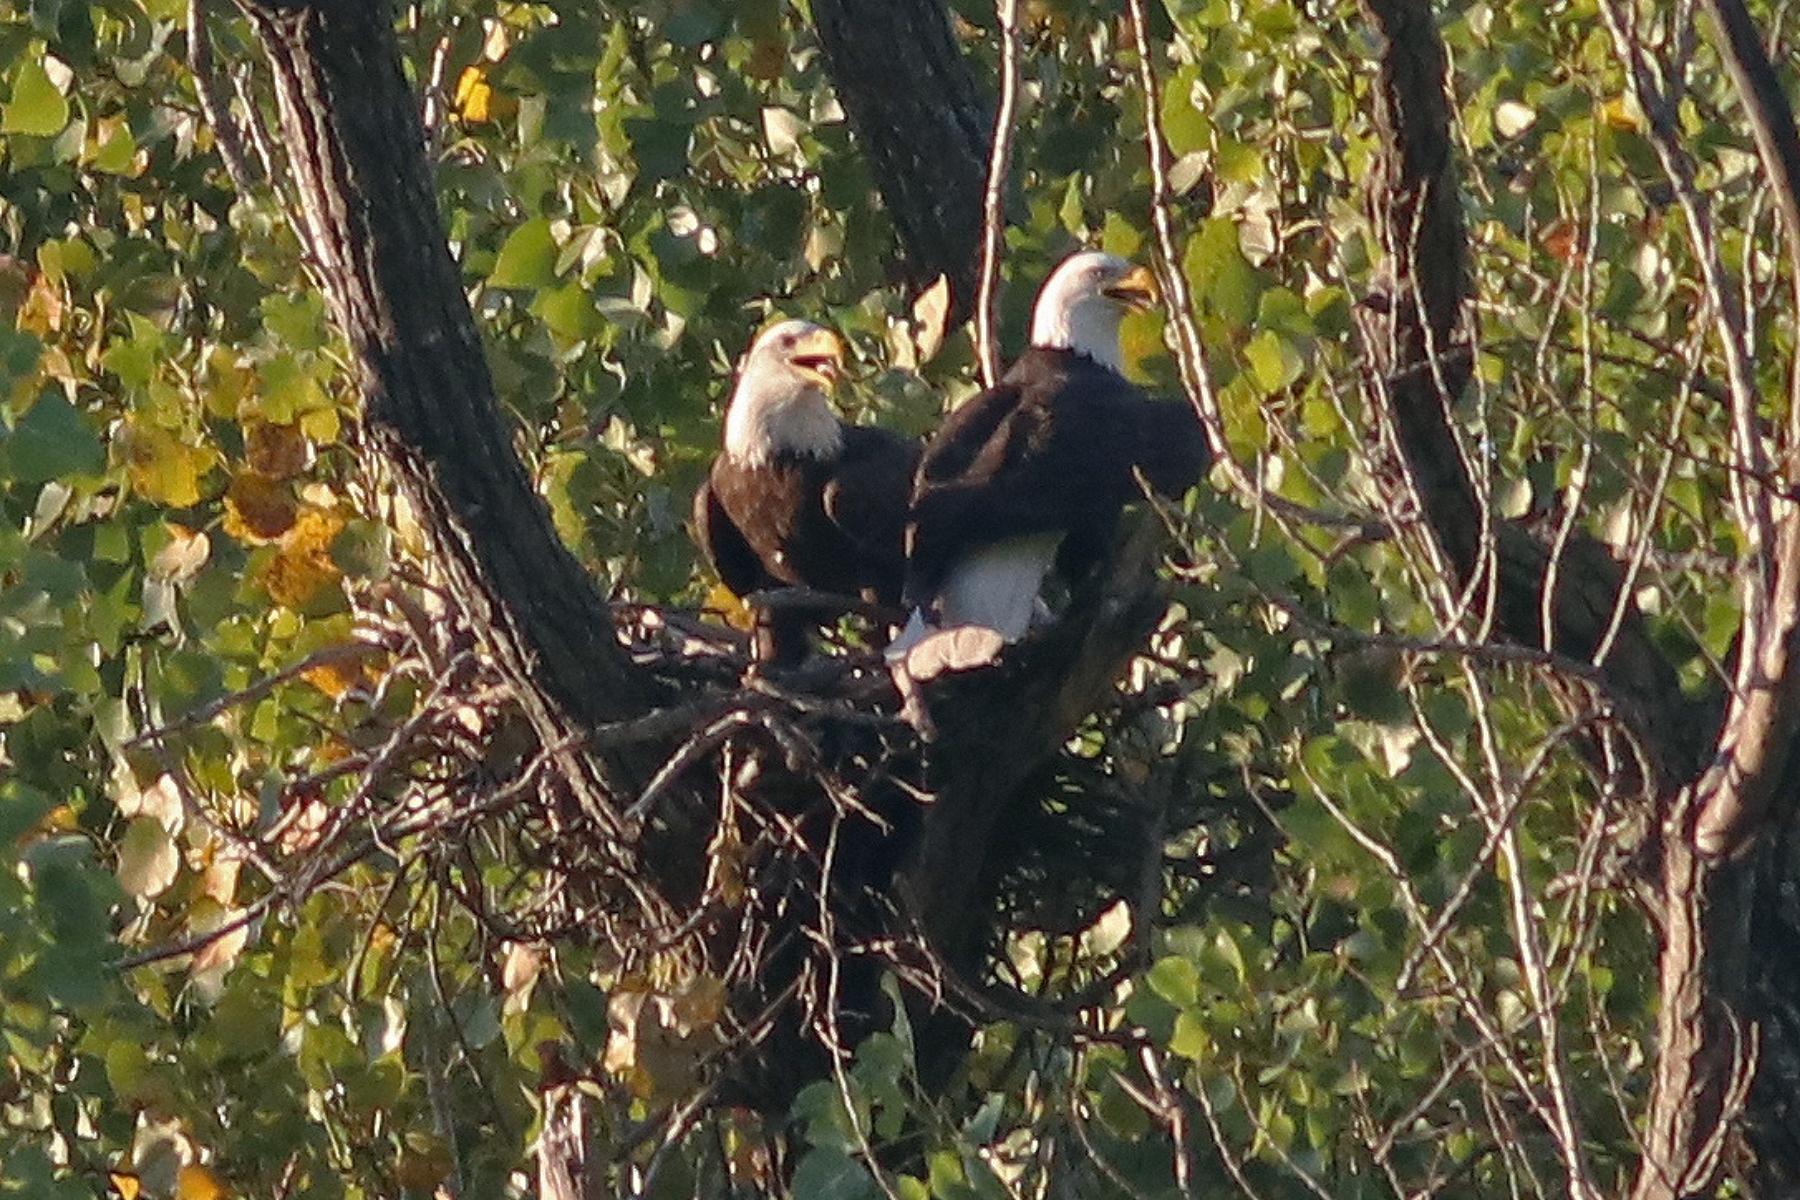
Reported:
(799, 498)
(1031, 475)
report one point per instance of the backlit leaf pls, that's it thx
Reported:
(474, 95)
(36, 106)
(528, 259)
(148, 858)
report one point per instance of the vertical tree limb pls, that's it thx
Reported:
(1765, 716)
(913, 104)
(1418, 220)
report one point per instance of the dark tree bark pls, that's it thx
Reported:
(429, 417)
(924, 126)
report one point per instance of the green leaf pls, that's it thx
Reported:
(528, 259)
(36, 107)
(1273, 360)
(826, 1174)
(1220, 273)
(51, 441)
(1190, 1039)
(1176, 980)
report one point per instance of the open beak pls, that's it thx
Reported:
(1137, 289)
(820, 355)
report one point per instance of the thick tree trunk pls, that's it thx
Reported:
(923, 124)
(430, 419)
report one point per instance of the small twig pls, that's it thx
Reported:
(199, 941)
(800, 599)
(330, 656)
(691, 752)
(987, 337)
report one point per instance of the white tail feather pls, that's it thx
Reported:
(997, 587)
(909, 636)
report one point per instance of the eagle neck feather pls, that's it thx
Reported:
(769, 422)
(1089, 327)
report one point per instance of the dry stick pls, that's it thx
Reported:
(1190, 351)
(993, 229)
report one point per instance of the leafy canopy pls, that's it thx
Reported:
(631, 189)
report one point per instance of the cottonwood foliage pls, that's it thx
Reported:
(273, 923)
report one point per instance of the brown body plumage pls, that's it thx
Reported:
(798, 498)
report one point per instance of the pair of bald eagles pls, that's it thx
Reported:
(1027, 478)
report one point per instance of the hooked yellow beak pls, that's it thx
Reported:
(1137, 289)
(819, 355)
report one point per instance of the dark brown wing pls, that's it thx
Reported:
(866, 497)
(1048, 451)
(1172, 450)
(723, 543)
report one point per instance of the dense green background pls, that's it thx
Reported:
(631, 190)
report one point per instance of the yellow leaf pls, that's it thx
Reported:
(42, 312)
(302, 567)
(258, 509)
(722, 600)
(199, 1183)
(126, 1185)
(474, 95)
(1620, 113)
(163, 469)
(339, 675)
